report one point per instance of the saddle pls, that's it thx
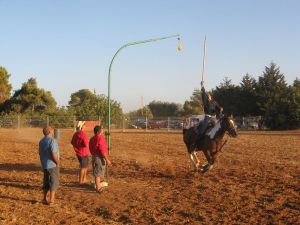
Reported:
(200, 137)
(207, 129)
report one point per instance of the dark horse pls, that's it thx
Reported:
(211, 144)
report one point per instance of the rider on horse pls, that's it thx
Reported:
(212, 110)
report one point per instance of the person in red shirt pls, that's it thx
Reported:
(80, 142)
(99, 151)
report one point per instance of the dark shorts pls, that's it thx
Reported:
(51, 179)
(99, 166)
(83, 161)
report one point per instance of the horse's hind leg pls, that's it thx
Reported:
(208, 157)
(195, 160)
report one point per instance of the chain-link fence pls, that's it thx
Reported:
(125, 123)
(21, 121)
(166, 123)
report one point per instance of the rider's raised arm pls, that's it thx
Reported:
(218, 109)
(204, 96)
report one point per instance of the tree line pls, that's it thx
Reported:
(269, 96)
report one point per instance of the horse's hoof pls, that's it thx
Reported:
(206, 168)
(203, 170)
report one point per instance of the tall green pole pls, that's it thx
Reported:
(109, 72)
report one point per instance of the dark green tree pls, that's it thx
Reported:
(164, 109)
(293, 107)
(273, 97)
(247, 97)
(227, 95)
(5, 86)
(30, 99)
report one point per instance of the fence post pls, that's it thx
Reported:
(47, 121)
(146, 123)
(168, 124)
(74, 123)
(123, 125)
(19, 122)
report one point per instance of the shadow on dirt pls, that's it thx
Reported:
(30, 167)
(75, 185)
(18, 184)
(19, 167)
(19, 199)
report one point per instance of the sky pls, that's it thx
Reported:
(68, 45)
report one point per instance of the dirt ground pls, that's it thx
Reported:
(256, 180)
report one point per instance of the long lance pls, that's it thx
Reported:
(204, 58)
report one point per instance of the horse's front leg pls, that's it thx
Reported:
(209, 165)
(208, 156)
(214, 151)
(210, 160)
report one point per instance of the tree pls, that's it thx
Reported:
(227, 95)
(273, 97)
(194, 106)
(142, 112)
(164, 109)
(30, 98)
(87, 105)
(5, 86)
(247, 97)
(293, 107)
(78, 97)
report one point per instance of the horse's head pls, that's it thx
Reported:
(228, 125)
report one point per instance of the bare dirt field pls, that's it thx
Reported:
(256, 180)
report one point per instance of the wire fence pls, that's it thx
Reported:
(125, 123)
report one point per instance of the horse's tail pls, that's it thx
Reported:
(184, 130)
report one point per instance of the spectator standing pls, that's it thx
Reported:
(50, 160)
(99, 151)
(80, 142)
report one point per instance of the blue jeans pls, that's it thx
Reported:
(203, 125)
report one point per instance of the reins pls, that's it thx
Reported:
(224, 143)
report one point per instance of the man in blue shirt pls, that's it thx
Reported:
(49, 157)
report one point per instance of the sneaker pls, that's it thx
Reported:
(103, 184)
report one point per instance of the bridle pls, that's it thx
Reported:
(230, 129)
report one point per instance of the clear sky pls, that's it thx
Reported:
(67, 45)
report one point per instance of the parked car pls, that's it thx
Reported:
(154, 125)
(132, 126)
(176, 125)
